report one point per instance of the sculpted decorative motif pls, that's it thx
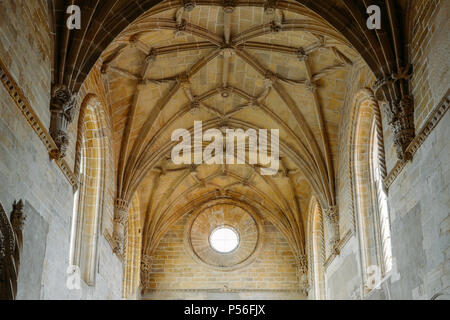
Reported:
(62, 107)
(399, 109)
(10, 248)
(332, 214)
(121, 227)
(302, 274)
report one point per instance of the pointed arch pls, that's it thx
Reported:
(316, 250)
(371, 219)
(90, 167)
(132, 263)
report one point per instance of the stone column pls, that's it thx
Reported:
(120, 227)
(62, 108)
(302, 273)
(332, 214)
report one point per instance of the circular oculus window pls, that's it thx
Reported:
(224, 240)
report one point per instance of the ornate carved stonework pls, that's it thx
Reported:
(10, 248)
(121, 227)
(188, 5)
(399, 108)
(302, 274)
(332, 214)
(146, 266)
(301, 54)
(400, 117)
(275, 26)
(62, 107)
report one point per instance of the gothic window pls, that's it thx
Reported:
(372, 215)
(380, 204)
(88, 198)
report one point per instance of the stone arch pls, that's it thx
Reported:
(132, 261)
(316, 249)
(90, 169)
(367, 156)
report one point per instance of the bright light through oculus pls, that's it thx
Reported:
(224, 240)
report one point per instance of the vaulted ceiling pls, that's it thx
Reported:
(235, 64)
(236, 67)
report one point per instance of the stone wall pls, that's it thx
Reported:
(430, 56)
(26, 171)
(419, 198)
(176, 275)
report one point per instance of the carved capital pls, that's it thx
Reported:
(121, 211)
(400, 116)
(118, 245)
(332, 214)
(62, 108)
(302, 273)
(146, 262)
(302, 263)
(146, 266)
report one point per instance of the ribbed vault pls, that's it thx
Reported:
(260, 64)
(236, 66)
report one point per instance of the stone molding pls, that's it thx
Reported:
(433, 119)
(340, 245)
(33, 120)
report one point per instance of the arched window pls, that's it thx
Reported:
(379, 199)
(90, 167)
(317, 249)
(372, 215)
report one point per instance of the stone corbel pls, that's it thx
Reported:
(302, 273)
(120, 227)
(62, 108)
(399, 109)
(400, 116)
(332, 214)
(146, 267)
